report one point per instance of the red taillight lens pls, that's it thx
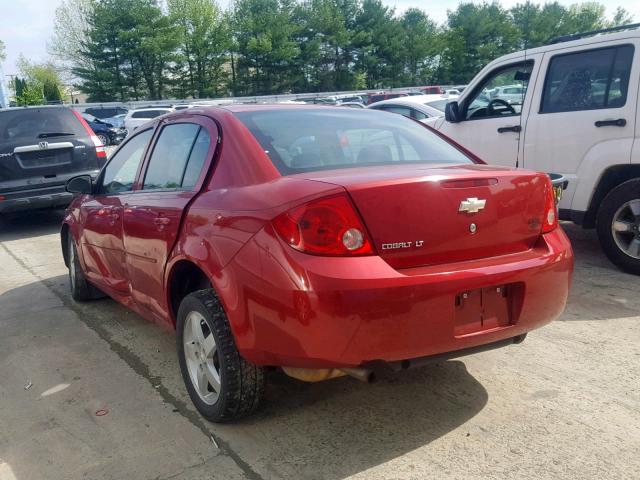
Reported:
(327, 226)
(100, 151)
(550, 218)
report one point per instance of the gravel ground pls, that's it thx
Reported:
(563, 405)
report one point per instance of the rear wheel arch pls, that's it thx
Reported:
(184, 277)
(611, 178)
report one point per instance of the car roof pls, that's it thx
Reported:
(416, 99)
(586, 41)
(150, 108)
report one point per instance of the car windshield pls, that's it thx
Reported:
(89, 118)
(321, 139)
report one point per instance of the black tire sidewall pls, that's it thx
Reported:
(623, 193)
(212, 412)
(79, 288)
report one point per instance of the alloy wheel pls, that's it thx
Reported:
(626, 228)
(202, 359)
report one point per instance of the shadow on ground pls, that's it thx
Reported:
(30, 224)
(600, 290)
(326, 430)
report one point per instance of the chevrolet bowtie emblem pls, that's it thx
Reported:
(472, 205)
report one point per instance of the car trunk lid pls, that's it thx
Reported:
(440, 214)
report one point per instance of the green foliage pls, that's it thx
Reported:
(3, 54)
(28, 93)
(203, 39)
(263, 33)
(40, 83)
(137, 49)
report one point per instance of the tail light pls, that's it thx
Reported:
(326, 226)
(550, 219)
(100, 150)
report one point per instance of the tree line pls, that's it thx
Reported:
(119, 50)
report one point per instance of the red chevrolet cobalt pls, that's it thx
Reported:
(321, 240)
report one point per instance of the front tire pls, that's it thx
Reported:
(81, 289)
(222, 385)
(618, 225)
(104, 139)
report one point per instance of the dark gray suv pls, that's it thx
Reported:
(40, 149)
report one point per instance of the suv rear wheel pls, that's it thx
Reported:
(618, 225)
(222, 385)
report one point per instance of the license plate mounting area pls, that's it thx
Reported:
(483, 309)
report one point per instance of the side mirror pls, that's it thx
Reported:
(452, 112)
(79, 184)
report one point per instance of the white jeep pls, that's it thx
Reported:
(578, 116)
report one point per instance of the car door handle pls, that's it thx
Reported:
(162, 221)
(513, 128)
(620, 122)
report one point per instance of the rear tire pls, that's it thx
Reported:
(618, 226)
(81, 289)
(222, 385)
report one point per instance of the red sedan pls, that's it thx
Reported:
(325, 241)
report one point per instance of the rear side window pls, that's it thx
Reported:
(31, 124)
(303, 140)
(588, 80)
(170, 155)
(197, 159)
(120, 173)
(406, 111)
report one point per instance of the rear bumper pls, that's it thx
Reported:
(318, 312)
(51, 197)
(14, 197)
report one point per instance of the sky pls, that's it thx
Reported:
(27, 25)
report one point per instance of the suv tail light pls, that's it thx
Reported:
(550, 219)
(100, 151)
(326, 226)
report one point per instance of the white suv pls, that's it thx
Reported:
(578, 116)
(140, 116)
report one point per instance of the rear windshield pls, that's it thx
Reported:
(105, 112)
(34, 123)
(439, 104)
(321, 139)
(148, 113)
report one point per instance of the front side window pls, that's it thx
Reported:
(170, 155)
(302, 140)
(120, 173)
(501, 94)
(588, 80)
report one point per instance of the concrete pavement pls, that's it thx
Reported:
(564, 404)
